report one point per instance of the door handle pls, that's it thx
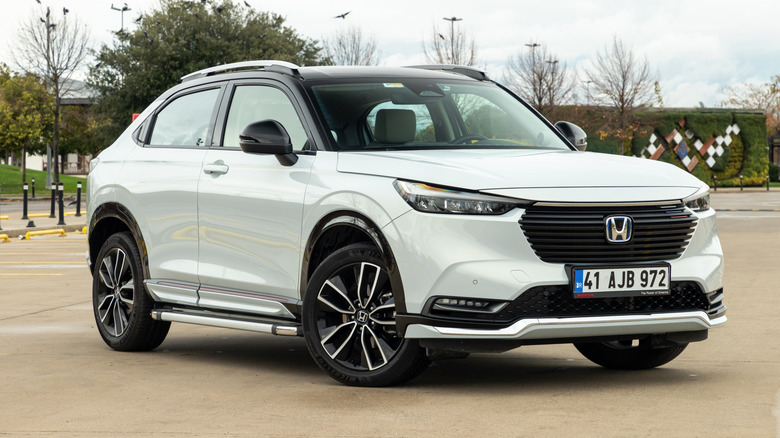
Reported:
(219, 167)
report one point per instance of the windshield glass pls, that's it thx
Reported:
(422, 114)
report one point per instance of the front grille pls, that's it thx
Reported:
(578, 234)
(558, 301)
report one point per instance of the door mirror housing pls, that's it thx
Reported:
(576, 136)
(268, 137)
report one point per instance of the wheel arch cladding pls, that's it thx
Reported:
(111, 218)
(343, 228)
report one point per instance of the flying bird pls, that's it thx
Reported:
(343, 16)
(38, 1)
(442, 37)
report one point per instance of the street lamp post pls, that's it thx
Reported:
(122, 13)
(452, 21)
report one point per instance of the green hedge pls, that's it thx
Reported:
(747, 155)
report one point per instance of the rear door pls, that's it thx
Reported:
(250, 206)
(161, 178)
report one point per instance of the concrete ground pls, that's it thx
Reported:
(57, 378)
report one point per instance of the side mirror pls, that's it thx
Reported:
(574, 134)
(268, 137)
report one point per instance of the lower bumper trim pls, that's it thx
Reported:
(573, 328)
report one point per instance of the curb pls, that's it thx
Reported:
(22, 231)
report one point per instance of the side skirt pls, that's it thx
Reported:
(224, 320)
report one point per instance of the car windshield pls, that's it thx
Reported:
(425, 114)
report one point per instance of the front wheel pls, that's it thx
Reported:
(349, 321)
(121, 305)
(623, 355)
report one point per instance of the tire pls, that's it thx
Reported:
(122, 308)
(353, 336)
(621, 355)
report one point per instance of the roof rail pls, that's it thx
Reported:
(471, 72)
(278, 66)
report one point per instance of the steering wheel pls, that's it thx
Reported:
(468, 138)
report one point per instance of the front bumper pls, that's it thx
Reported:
(575, 328)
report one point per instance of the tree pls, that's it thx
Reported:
(82, 130)
(451, 47)
(765, 97)
(25, 115)
(621, 80)
(349, 47)
(539, 78)
(182, 37)
(52, 49)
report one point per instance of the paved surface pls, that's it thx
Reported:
(57, 378)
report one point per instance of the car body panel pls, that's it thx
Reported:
(531, 174)
(249, 222)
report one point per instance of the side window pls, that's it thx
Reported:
(185, 121)
(423, 130)
(253, 103)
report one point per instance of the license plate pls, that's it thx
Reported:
(622, 281)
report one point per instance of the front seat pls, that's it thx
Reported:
(395, 126)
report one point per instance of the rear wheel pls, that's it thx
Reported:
(624, 355)
(121, 305)
(349, 321)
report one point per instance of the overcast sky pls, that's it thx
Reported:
(696, 46)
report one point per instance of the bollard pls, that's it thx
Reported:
(25, 188)
(78, 199)
(33, 188)
(53, 199)
(715, 182)
(767, 183)
(61, 188)
(740, 183)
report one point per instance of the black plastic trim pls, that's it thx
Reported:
(372, 231)
(117, 211)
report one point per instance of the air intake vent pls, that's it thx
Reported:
(578, 234)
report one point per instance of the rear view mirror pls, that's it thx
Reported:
(576, 136)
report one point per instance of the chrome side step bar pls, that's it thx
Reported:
(291, 329)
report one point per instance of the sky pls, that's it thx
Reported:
(696, 47)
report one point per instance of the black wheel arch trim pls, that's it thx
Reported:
(372, 231)
(115, 210)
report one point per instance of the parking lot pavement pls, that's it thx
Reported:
(57, 378)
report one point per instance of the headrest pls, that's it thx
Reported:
(395, 126)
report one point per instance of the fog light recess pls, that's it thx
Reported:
(458, 304)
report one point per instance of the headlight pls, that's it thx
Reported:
(699, 204)
(430, 199)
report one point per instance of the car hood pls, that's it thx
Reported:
(539, 175)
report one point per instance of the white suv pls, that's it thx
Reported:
(391, 216)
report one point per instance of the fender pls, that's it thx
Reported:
(103, 223)
(371, 231)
